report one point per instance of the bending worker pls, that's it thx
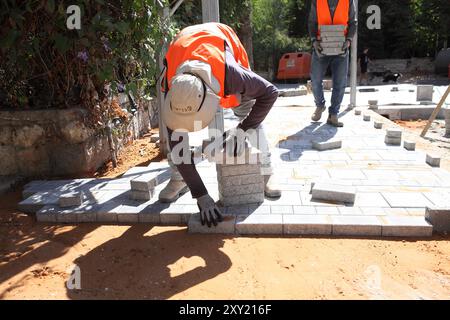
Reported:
(330, 12)
(206, 68)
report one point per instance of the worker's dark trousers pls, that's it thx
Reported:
(339, 71)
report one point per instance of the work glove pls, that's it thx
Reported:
(317, 46)
(209, 212)
(235, 142)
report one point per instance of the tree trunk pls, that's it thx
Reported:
(246, 33)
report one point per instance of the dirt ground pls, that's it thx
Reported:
(148, 262)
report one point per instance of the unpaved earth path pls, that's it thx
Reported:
(145, 262)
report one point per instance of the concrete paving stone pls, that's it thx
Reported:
(287, 198)
(350, 211)
(378, 125)
(260, 224)
(280, 209)
(409, 145)
(241, 190)
(128, 217)
(306, 225)
(326, 210)
(241, 199)
(433, 160)
(439, 217)
(373, 102)
(438, 197)
(249, 156)
(108, 217)
(381, 174)
(333, 192)
(306, 210)
(346, 174)
(394, 133)
(424, 93)
(366, 117)
(327, 145)
(406, 199)
(306, 200)
(237, 170)
(238, 210)
(334, 156)
(37, 201)
(145, 182)
(141, 195)
(420, 212)
(396, 212)
(393, 141)
(173, 219)
(364, 156)
(245, 179)
(46, 214)
(373, 211)
(357, 112)
(259, 209)
(72, 199)
(398, 226)
(227, 226)
(356, 225)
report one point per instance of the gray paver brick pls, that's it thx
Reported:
(227, 226)
(398, 226)
(366, 117)
(356, 226)
(327, 145)
(330, 192)
(306, 225)
(240, 180)
(141, 195)
(259, 224)
(237, 170)
(433, 160)
(241, 199)
(72, 199)
(393, 141)
(145, 182)
(241, 190)
(394, 133)
(378, 125)
(409, 145)
(357, 112)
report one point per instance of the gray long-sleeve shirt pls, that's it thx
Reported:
(352, 18)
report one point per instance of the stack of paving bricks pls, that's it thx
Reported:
(425, 93)
(393, 137)
(447, 122)
(332, 39)
(143, 187)
(239, 178)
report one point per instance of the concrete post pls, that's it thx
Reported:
(210, 13)
(354, 65)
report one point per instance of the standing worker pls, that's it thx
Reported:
(330, 12)
(206, 68)
(363, 64)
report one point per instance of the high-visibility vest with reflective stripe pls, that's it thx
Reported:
(206, 42)
(340, 14)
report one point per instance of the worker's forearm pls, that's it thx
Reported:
(352, 20)
(312, 21)
(260, 109)
(188, 171)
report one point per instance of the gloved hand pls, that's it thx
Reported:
(209, 212)
(235, 142)
(346, 45)
(317, 46)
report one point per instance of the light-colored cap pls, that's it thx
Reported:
(190, 104)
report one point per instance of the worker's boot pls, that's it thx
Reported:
(317, 114)
(333, 120)
(270, 189)
(173, 190)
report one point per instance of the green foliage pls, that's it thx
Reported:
(271, 21)
(43, 64)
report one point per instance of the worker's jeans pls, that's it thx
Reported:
(257, 140)
(339, 71)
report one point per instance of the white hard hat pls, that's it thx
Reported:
(190, 104)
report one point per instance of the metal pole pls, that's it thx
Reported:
(354, 64)
(210, 13)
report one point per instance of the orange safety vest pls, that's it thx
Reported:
(207, 43)
(340, 14)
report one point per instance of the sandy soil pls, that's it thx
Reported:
(147, 262)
